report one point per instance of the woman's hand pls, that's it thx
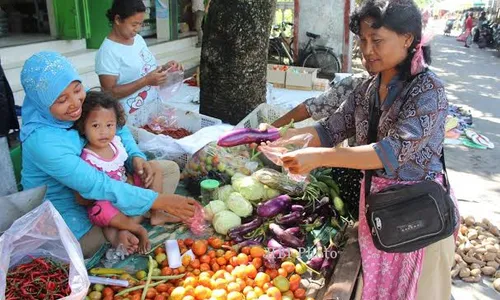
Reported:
(173, 66)
(156, 77)
(181, 207)
(303, 161)
(144, 170)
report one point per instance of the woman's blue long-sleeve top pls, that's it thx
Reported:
(51, 157)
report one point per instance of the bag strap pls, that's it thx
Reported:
(374, 119)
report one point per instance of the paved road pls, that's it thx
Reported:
(472, 78)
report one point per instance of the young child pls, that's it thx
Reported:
(101, 116)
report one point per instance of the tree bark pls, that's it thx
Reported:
(234, 58)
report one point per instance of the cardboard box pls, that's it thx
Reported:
(299, 78)
(276, 75)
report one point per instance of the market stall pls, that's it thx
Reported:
(262, 233)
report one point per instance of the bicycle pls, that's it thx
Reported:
(312, 56)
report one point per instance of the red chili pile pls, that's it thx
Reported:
(41, 278)
(176, 133)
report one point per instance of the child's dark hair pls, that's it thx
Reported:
(95, 100)
(125, 9)
(400, 16)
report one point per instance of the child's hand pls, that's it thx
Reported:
(144, 170)
(80, 200)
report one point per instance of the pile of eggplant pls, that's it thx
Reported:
(283, 224)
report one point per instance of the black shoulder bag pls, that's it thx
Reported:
(405, 218)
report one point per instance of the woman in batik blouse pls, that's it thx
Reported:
(412, 104)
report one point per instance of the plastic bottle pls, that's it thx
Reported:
(173, 254)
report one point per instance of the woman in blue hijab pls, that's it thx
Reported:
(51, 156)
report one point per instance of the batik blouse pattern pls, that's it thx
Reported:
(328, 102)
(411, 129)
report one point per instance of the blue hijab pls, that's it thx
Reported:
(44, 77)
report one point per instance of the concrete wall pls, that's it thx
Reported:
(323, 17)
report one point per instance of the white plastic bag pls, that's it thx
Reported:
(160, 147)
(43, 233)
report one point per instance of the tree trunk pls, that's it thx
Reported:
(234, 58)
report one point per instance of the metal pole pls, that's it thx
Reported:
(7, 178)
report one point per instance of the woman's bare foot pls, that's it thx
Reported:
(159, 217)
(123, 237)
(144, 243)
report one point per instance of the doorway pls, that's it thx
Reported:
(25, 22)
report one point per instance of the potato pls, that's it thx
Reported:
(491, 248)
(464, 273)
(468, 246)
(472, 279)
(471, 260)
(486, 243)
(475, 243)
(497, 274)
(496, 284)
(469, 221)
(493, 264)
(480, 250)
(481, 237)
(475, 272)
(475, 266)
(486, 222)
(479, 256)
(492, 239)
(488, 271)
(464, 230)
(495, 231)
(472, 234)
(489, 256)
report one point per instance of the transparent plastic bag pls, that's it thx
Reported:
(43, 233)
(223, 160)
(275, 150)
(160, 147)
(171, 87)
(163, 119)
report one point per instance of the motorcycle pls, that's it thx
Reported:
(448, 27)
(486, 36)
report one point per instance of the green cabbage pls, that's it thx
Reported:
(213, 208)
(239, 205)
(271, 193)
(237, 176)
(224, 192)
(225, 220)
(250, 188)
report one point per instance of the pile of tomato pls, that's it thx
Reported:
(218, 271)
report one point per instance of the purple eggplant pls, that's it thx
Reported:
(286, 239)
(274, 244)
(298, 208)
(331, 254)
(296, 232)
(245, 228)
(275, 206)
(291, 219)
(245, 136)
(317, 261)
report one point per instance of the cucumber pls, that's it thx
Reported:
(339, 205)
(323, 187)
(329, 181)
